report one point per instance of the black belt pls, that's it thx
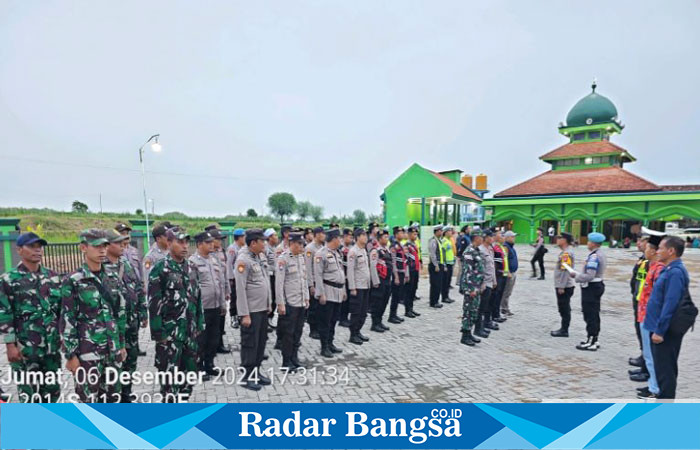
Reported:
(334, 284)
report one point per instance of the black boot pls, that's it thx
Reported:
(474, 338)
(314, 334)
(288, 365)
(326, 352)
(395, 319)
(381, 324)
(362, 336)
(561, 332)
(333, 348)
(355, 339)
(586, 344)
(377, 327)
(466, 339)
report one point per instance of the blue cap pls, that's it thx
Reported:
(28, 239)
(596, 238)
(238, 232)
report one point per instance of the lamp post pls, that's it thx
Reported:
(156, 147)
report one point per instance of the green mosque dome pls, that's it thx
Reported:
(592, 109)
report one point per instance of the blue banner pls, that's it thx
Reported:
(290, 425)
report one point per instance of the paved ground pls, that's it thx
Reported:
(423, 361)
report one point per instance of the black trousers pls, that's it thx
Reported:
(253, 340)
(411, 291)
(398, 293)
(312, 314)
(637, 330)
(666, 363)
(210, 337)
(378, 298)
(495, 302)
(290, 326)
(485, 305)
(447, 281)
(590, 305)
(358, 305)
(538, 257)
(564, 305)
(345, 307)
(328, 316)
(272, 291)
(436, 279)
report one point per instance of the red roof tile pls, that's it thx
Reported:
(584, 149)
(582, 181)
(457, 188)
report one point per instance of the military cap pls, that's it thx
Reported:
(254, 233)
(158, 230)
(28, 239)
(359, 231)
(332, 234)
(655, 239)
(568, 236)
(318, 230)
(93, 237)
(347, 231)
(216, 233)
(211, 227)
(296, 237)
(269, 232)
(176, 233)
(204, 236)
(477, 232)
(238, 232)
(437, 228)
(596, 238)
(122, 227)
(114, 237)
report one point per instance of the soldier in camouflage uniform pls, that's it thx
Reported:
(175, 311)
(470, 286)
(29, 309)
(135, 308)
(93, 321)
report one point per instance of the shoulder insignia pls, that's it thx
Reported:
(318, 259)
(281, 264)
(147, 263)
(241, 267)
(308, 253)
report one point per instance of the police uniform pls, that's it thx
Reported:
(484, 323)
(414, 266)
(209, 277)
(380, 265)
(253, 300)
(564, 286)
(312, 313)
(231, 255)
(358, 278)
(330, 292)
(345, 306)
(592, 289)
(401, 277)
(154, 255)
(223, 271)
(436, 267)
(292, 292)
(449, 252)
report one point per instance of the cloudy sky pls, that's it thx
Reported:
(328, 100)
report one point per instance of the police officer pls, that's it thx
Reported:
(131, 253)
(449, 250)
(157, 251)
(292, 300)
(563, 283)
(436, 267)
(380, 275)
(92, 322)
(271, 243)
(639, 273)
(309, 252)
(358, 278)
(592, 289)
(136, 309)
(401, 275)
(414, 265)
(253, 299)
(231, 255)
(484, 324)
(206, 268)
(471, 285)
(30, 305)
(220, 258)
(329, 290)
(344, 249)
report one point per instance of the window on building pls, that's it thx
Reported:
(579, 136)
(596, 160)
(594, 135)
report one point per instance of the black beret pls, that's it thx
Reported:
(254, 233)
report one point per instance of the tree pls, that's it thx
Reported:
(304, 209)
(282, 204)
(251, 213)
(79, 207)
(359, 216)
(139, 212)
(317, 213)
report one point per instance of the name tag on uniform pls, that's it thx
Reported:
(256, 268)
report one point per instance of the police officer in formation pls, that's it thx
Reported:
(157, 251)
(358, 276)
(220, 257)
(436, 268)
(310, 250)
(592, 289)
(329, 290)
(401, 274)
(231, 255)
(381, 276)
(563, 283)
(346, 244)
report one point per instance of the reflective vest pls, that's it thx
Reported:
(448, 250)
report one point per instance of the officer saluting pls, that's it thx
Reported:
(592, 288)
(253, 303)
(330, 290)
(292, 299)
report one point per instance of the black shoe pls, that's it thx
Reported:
(641, 377)
(344, 323)
(415, 313)
(416, 298)
(648, 395)
(263, 380)
(467, 340)
(643, 389)
(541, 278)
(362, 336)
(410, 315)
(213, 371)
(439, 305)
(333, 348)
(314, 335)
(289, 367)
(475, 339)
(278, 345)
(381, 324)
(205, 376)
(481, 333)
(500, 319)
(491, 325)
(223, 349)
(326, 353)
(355, 339)
(559, 333)
(394, 319)
(266, 357)
(376, 327)
(142, 353)
(235, 323)
(635, 371)
(447, 300)
(251, 385)
(636, 362)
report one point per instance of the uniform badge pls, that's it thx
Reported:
(308, 253)
(318, 259)
(241, 267)
(281, 265)
(147, 264)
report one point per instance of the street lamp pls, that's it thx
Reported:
(156, 147)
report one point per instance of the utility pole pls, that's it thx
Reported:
(100, 194)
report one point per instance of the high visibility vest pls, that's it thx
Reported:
(449, 250)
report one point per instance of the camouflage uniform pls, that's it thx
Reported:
(30, 304)
(471, 281)
(135, 311)
(176, 318)
(92, 327)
